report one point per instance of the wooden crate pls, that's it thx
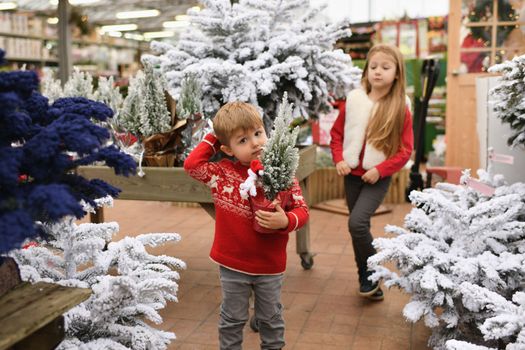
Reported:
(324, 184)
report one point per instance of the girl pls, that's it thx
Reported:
(372, 139)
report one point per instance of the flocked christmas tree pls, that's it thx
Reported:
(453, 239)
(254, 51)
(509, 97)
(154, 115)
(79, 84)
(129, 284)
(40, 146)
(280, 157)
(189, 108)
(51, 87)
(129, 116)
(109, 94)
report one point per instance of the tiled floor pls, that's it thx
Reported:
(322, 309)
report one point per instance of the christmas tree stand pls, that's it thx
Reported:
(174, 185)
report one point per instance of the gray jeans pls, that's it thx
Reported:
(363, 199)
(236, 290)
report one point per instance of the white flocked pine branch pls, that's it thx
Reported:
(255, 50)
(456, 235)
(129, 285)
(509, 98)
(80, 84)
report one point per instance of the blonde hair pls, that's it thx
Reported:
(234, 116)
(386, 124)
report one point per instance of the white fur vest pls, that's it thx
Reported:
(358, 112)
(359, 109)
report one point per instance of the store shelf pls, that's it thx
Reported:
(31, 59)
(26, 36)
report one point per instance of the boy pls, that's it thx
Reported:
(247, 260)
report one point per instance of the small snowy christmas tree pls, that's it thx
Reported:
(51, 87)
(129, 284)
(80, 84)
(40, 146)
(189, 108)
(509, 97)
(129, 117)
(456, 237)
(154, 115)
(280, 157)
(254, 51)
(108, 94)
(189, 103)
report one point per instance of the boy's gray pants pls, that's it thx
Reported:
(363, 199)
(236, 290)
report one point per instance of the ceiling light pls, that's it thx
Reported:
(52, 20)
(175, 24)
(115, 34)
(53, 2)
(182, 18)
(137, 14)
(195, 8)
(163, 34)
(7, 6)
(119, 27)
(82, 2)
(134, 36)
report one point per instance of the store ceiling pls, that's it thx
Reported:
(103, 12)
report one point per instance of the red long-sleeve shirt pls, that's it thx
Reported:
(385, 168)
(236, 244)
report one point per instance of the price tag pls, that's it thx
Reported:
(480, 187)
(501, 158)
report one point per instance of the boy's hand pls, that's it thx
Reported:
(342, 168)
(371, 176)
(276, 220)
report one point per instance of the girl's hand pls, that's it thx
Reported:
(342, 168)
(273, 220)
(371, 176)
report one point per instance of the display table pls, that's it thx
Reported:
(174, 185)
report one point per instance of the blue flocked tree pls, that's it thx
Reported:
(40, 147)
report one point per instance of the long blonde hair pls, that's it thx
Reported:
(386, 124)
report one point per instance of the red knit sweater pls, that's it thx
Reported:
(385, 168)
(236, 245)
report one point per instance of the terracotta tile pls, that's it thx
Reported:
(366, 343)
(322, 308)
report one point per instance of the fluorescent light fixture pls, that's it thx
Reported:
(82, 2)
(115, 34)
(163, 34)
(119, 27)
(137, 14)
(52, 20)
(53, 2)
(175, 24)
(182, 18)
(134, 36)
(7, 6)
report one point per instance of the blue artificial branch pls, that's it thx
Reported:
(40, 147)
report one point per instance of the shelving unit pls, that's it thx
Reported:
(28, 38)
